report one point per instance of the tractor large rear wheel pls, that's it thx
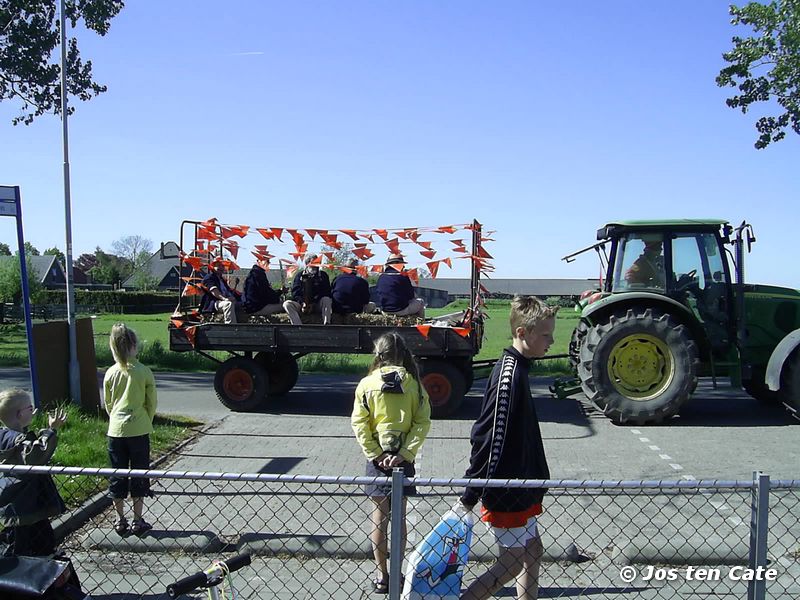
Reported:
(241, 384)
(789, 393)
(639, 367)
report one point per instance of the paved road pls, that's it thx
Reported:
(721, 433)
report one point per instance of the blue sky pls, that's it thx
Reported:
(541, 120)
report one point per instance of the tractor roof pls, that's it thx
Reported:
(615, 228)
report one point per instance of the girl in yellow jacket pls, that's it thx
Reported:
(130, 401)
(391, 417)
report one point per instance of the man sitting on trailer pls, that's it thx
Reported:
(311, 292)
(219, 297)
(259, 297)
(395, 292)
(350, 292)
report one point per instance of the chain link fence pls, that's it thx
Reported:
(309, 537)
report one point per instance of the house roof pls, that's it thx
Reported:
(530, 287)
(159, 264)
(41, 264)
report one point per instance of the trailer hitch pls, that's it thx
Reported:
(564, 387)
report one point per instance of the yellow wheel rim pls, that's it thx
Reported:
(641, 366)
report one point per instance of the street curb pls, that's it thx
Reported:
(73, 520)
(200, 542)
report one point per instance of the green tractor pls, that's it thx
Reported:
(670, 311)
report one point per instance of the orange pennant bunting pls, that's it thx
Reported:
(210, 223)
(363, 253)
(448, 262)
(424, 330)
(426, 245)
(351, 232)
(268, 234)
(428, 253)
(205, 234)
(433, 267)
(362, 270)
(462, 331)
(191, 334)
(382, 233)
(393, 245)
(483, 253)
(446, 229)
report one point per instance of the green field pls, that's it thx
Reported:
(152, 331)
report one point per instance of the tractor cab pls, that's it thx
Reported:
(683, 260)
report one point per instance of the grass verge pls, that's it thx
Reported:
(82, 442)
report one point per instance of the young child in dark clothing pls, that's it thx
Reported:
(507, 444)
(27, 501)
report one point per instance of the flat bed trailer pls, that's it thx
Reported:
(263, 356)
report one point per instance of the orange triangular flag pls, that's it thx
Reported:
(393, 245)
(367, 236)
(413, 275)
(277, 232)
(267, 233)
(205, 234)
(483, 253)
(382, 233)
(376, 268)
(351, 232)
(428, 253)
(433, 267)
(191, 333)
(424, 330)
(193, 261)
(362, 270)
(447, 261)
(313, 232)
(446, 229)
(462, 331)
(210, 223)
(363, 253)
(426, 245)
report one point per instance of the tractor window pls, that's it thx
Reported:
(687, 263)
(639, 263)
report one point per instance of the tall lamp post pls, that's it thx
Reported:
(74, 371)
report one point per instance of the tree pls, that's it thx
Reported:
(110, 269)
(4, 249)
(30, 70)
(31, 250)
(766, 66)
(57, 253)
(133, 248)
(11, 280)
(86, 262)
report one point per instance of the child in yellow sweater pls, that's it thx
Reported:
(130, 401)
(391, 417)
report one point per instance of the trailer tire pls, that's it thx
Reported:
(282, 371)
(241, 384)
(446, 386)
(639, 367)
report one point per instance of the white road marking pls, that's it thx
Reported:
(645, 440)
(665, 457)
(676, 467)
(654, 448)
(635, 431)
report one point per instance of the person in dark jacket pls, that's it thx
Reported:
(311, 292)
(218, 297)
(507, 444)
(350, 292)
(395, 292)
(27, 501)
(259, 297)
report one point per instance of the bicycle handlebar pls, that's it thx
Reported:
(208, 577)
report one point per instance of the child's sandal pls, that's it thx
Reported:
(121, 526)
(379, 586)
(140, 526)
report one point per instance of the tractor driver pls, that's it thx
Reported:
(648, 268)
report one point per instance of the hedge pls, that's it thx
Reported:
(110, 298)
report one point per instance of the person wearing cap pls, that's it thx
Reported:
(648, 268)
(259, 297)
(218, 296)
(395, 292)
(350, 293)
(311, 292)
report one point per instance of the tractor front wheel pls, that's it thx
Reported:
(789, 394)
(639, 367)
(241, 384)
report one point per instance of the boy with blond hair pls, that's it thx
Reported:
(507, 444)
(27, 501)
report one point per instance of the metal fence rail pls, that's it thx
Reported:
(309, 536)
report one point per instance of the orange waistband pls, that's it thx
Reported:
(507, 520)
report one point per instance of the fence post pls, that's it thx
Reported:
(396, 539)
(759, 523)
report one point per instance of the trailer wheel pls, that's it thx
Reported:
(789, 394)
(241, 384)
(282, 370)
(446, 386)
(639, 367)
